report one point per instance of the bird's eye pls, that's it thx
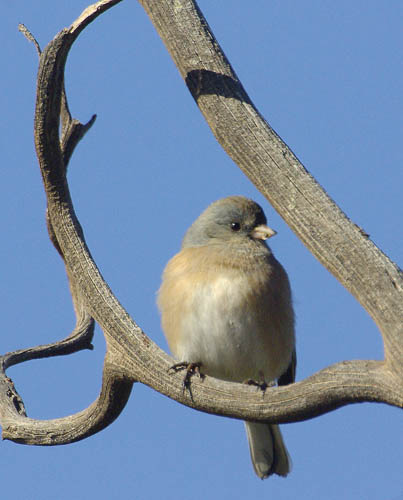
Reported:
(235, 226)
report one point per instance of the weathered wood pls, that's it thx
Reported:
(131, 356)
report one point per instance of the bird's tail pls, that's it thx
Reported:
(267, 450)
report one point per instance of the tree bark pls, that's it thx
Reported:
(131, 356)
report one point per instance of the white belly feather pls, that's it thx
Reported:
(232, 343)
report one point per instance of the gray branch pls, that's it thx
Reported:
(338, 243)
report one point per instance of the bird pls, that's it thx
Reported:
(226, 307)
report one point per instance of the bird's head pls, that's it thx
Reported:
(228, 221)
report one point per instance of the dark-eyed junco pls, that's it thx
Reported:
(226, 305)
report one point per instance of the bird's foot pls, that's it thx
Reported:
(191, 370)
(263, 385)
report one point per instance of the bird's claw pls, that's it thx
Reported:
(259, 385)
(191, 370)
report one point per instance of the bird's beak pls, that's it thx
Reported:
(263, 232)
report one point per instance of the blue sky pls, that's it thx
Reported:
(328, 76)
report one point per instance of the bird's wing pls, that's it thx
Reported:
(288, 377)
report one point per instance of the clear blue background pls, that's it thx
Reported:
(328, 76)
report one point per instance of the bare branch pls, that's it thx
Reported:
(336, 242)
(79, 339)
(113, 398)
(131, 356)
(331, 388)
(29, 36)
(114, 392)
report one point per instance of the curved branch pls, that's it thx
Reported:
(111, 401)
(331, 388)
(80, 338)
(326, 231)
(131, 355)
(114, 391)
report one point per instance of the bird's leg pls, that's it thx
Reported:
(191, 369)
(262, 384)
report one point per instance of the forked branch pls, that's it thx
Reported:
(131, 356)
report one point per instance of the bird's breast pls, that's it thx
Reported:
(237, 323)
